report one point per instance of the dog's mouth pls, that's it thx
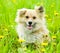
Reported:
(29, 27)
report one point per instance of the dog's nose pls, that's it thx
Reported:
(30, 22)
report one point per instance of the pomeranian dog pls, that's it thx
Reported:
(31, 25)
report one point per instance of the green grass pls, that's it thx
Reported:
(9, 43)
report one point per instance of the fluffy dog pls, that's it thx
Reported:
(31, 25)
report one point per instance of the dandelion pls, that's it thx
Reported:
(44, 44)
(1, 37)
(53, 37)
(56, 13)
(21, 40)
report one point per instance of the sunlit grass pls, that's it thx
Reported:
(8, 37)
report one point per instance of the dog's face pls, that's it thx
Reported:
(31, 19)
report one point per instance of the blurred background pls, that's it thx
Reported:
(8, 37)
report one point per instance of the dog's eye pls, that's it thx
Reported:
(34, 17)
(27, 17)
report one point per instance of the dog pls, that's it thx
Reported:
(31, 25)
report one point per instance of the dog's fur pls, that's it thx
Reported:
(37, 31)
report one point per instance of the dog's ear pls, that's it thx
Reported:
(39, 9)
(21, 12)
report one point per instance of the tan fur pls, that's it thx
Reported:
(39, 28)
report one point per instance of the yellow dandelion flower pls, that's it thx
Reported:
(46, 15)
(53, 37)
(21, 40)
(44, 44)
(43, 49)
(56, 13)
(1, 37)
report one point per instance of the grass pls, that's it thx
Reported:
(8, 36)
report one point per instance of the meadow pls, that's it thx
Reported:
(8, 37)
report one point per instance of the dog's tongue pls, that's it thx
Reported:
(29, 27)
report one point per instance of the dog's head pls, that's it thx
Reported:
(31, 18)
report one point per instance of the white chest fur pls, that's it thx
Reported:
(27, 35)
